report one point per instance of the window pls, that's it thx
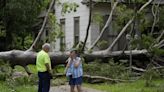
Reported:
(76, 30)
(109, 34)
(62, 38)
(47, 32)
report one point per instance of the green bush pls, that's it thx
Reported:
(5, 70)
(26, 80)
(111, 69)
(102, 44)
(150, 75)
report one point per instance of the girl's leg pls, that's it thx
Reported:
(79, 88)
(72, 88)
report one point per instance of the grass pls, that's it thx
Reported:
(138, 86)
(26, 88)
(23, 88)
(4, 87)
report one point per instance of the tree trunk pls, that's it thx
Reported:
(24, 58)
(89, 23)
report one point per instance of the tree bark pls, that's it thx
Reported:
(24, 58)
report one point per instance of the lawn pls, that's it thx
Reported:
(4, 87)
(138, 86)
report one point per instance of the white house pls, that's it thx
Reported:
(74, 24)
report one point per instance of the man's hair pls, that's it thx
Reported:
(46, 45)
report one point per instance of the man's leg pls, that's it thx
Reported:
(40, 83)
(46, 84)
(46, 87)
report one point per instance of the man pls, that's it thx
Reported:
(43, 65)
(74, 71)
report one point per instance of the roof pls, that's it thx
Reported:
(121, 1)
(94, 1)
(159, 1)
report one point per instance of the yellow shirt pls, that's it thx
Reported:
(41, 59)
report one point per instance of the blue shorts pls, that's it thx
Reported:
(76, 81)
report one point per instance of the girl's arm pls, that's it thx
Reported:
(78, 62)
(67, 66)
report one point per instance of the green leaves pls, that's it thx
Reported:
(19, 17)
(148, 42)
(110, 69)
(54, 28)
(67, 7)
(122, 15)
(97, 18)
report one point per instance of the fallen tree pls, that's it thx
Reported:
(24, 58)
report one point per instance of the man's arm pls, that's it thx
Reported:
(48, 68)
(47, 64)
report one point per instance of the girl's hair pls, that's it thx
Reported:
(77, 53)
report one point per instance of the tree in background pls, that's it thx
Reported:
(18, 18)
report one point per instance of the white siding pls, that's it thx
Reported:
(83, 13)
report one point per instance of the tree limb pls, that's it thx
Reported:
(106, 78)
(159, 44)
(120, 34)
(105, 27)
(154, 13)
(43, 26)
(159, 38)
(89, 23)
(126, 26)
(144, 70)
(98, 77)
(138, 69)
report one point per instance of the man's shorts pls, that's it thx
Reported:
(76, 81)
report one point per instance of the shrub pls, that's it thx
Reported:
(5, 70)
(149, 75)
(111, 69)
(102, 44)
